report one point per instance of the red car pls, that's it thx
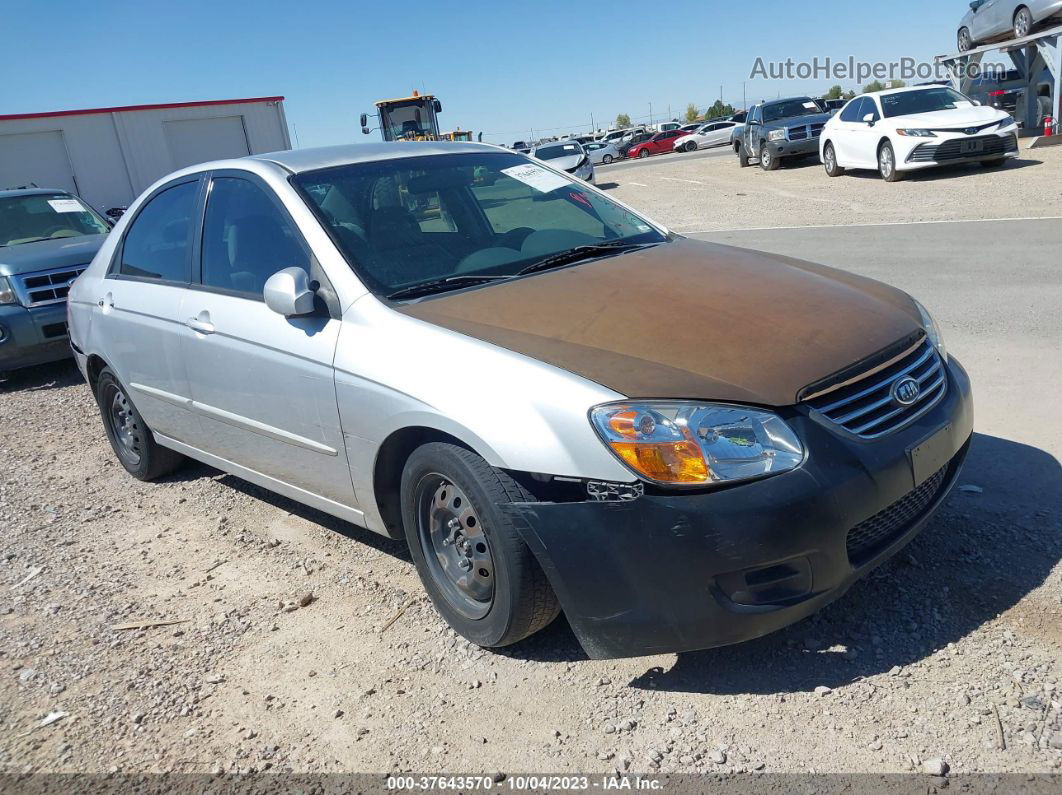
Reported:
(658, 144)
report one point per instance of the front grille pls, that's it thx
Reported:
(994, 146)
(53, 330)
(868, 538)
(805, 131)
(45, 287)
(867, 407)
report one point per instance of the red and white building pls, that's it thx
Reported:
(109, 155)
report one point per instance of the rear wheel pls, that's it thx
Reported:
(475, 567)
(768, 162)
(829, 161)
(965, 41)
(887, 163)
(743, 159)
(130, 437)
(1023, 23)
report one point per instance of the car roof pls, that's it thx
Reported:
(7, 194)
(906, 90)
(786, 99)
(299, 160)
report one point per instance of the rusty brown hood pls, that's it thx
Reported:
(687, 319)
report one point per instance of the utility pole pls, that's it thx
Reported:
(650, 114)
(744, 101)
(592, 126)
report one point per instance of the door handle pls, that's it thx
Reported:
(106, 302)
(201, 326)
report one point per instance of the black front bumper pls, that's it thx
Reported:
(672, 573)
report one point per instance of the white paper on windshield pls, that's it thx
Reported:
(537, 177)
(66, 205)
(960, 103)
(811, 106)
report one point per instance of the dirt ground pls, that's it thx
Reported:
(301, 643)
(694, 193)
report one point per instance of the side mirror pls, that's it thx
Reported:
(115, 213)
(977, 102)
(364, 120)
(869, 119)
(364, 130)
(437, 105)
(288, 292)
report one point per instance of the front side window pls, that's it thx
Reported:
(928, 100)
(421, 219)
(156, 244)
(853, 111)
(46, 216)
(246, 238)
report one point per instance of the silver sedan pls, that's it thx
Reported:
(994, 20)
(602, 153)
(716, 133)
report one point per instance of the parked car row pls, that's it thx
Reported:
(894, 132)
(282, 317)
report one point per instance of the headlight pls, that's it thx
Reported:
(1007, 122)
(697, 444)
(7, 295)
(916, 133)
(932, 331)
(776, 135)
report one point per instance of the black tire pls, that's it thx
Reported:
(130, 437)
(643, 153)
(607, 160)
(743, 159)
(887, 163)
(443, 484)
(1023, 23)
(829, 161)
(768, 162)
(965, 41)
(691, 147)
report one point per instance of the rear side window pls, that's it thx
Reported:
(852, 110)
(246, 238)
(156, 245)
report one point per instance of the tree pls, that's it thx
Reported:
(718, 110)
(623, 120)
(897, 84)
(870, 88)
(834, 93)
(692, 113)
(850, 95)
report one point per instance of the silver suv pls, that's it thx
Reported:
(558, 403)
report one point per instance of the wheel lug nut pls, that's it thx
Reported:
(465, 564)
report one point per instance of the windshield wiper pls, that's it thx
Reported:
(580, 253)
(442, 285)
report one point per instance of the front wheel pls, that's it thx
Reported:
(477, 570)
(130, 437)
(768, 162)
(1023, 23)
(607, 160)
(887, 163)
(829, 161)
(643, 153)
(691, 147)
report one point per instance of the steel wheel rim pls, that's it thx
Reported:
(125, 427)
(885, 160)
(964, 40)
(765, 157)
(456, 548)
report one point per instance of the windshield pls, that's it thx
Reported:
(415, 220)
(803, 106)
(28, 219)
(561, 150)
(909, 103)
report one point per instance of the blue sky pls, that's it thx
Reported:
(499, 67)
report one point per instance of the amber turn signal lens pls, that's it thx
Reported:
(666, 462)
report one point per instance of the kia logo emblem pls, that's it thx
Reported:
(905, 392)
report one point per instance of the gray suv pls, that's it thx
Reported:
(47, 238)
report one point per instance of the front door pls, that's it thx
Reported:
(262, 384)
(142, 297)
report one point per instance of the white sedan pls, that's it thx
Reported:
(716, 133)
(907, 129)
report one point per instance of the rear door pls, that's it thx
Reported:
(140, 326)
(262, 384)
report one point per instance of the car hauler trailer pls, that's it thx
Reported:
(1033, 57)
(107, 156)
